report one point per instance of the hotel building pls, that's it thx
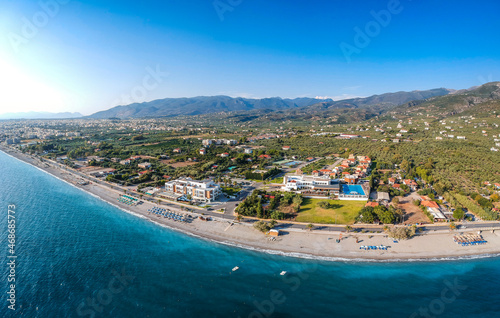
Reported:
(205, 190)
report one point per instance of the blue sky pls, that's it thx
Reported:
(91, 55)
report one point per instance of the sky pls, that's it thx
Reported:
(86, 56)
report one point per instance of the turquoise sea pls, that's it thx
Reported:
(78, 256)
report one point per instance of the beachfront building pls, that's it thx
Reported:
(434, 209)
(311, 185)
(206, 190)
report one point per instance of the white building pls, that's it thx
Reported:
(205, 190)
(310, 183)
(144, 165)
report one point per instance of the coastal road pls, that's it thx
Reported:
(247, 190)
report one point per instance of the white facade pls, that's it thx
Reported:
(294, 183)
(206, 191)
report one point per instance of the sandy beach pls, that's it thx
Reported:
(294, 242)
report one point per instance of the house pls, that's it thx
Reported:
(177, 150)
(144, 165)
(411, 183)
(429, 204)
(125, 162)
(285, 148)
(274, 232)
(248, 150)
(392, 180)
(351, 179)
(372, 204)
(224, 155)
(382, 196)
(166, 177)
(309, 159)
(203, 151)
(264, 157)
(144, 172)
(497, 185)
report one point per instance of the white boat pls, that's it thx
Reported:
(283, 273)
(235, 268)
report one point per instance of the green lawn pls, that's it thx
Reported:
(277, 180)
(230, 190)
(343, 211)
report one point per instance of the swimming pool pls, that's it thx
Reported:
(352, 189)
(293, 163)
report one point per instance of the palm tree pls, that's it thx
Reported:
(348, 228)
(238, 218)
(310, 226)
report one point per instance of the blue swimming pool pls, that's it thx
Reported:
(351, 189)
(293, 163)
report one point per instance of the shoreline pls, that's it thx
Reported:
(316, 245)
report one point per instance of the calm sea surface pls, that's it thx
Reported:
(78, 256)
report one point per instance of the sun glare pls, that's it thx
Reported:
(22, 92)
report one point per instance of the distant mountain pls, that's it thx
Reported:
(214, 104)
(381, 101)
(201, 105)
(40, 115)
(478, 99)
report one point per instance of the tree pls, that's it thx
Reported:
(452, 226)
(395, 200)
(297, 201)
(348, 228)
(458, 214)
(324, 204)
(260, 211)
(494, 197)
(402, 232)
(366, 215)
(310, 226)
(385, 216)
(405, 165)
(262, 226)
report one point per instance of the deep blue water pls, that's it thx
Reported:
(352, 189)
(71, 245)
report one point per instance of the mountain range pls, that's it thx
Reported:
(169, 107)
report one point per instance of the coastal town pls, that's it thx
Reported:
(267, 180)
